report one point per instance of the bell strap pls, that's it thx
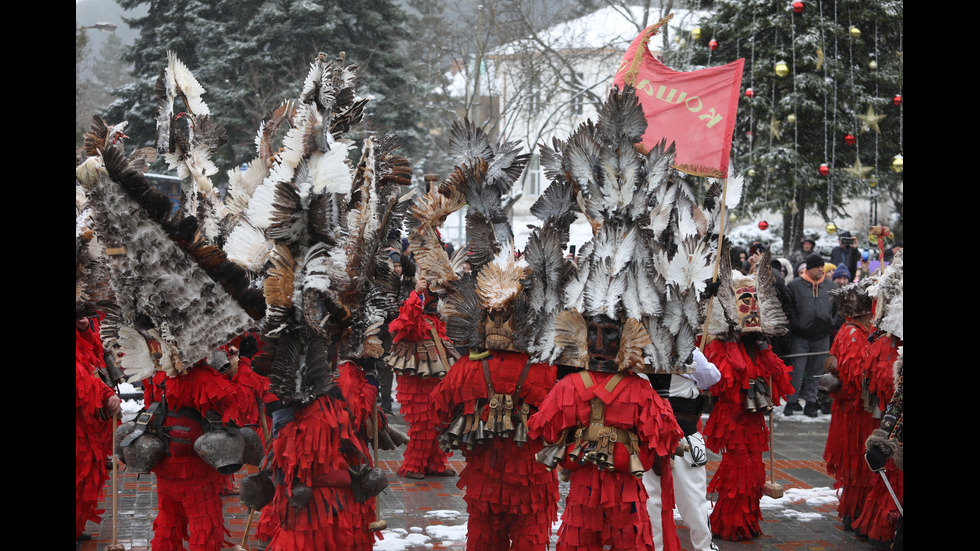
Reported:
(520, 380)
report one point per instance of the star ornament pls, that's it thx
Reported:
(859, 171)
(774, 132)
(871, 120)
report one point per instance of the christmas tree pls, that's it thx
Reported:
(820, 116)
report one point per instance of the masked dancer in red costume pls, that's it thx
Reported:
(753, 380)
(486, 399)
(95, 403)
(880, 515)
(605, 423)
(421, 355)
(850, 422)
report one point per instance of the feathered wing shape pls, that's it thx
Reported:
(633, 341)
(428, 213)
(463, 314)
(774, 321)
(187, 147)
(302, 368)
(548, 271)
(723, 318)
(500, 282)
(571, 337)
(889, 294)
(376, 213)
(154, 276)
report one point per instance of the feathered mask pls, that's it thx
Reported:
(746, 304)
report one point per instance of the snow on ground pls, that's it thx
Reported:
(399, 539)
(813, 497)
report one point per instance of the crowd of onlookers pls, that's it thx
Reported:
(804, 279)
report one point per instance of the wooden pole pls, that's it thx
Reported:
(115, 492)
(378, 524)
(771, 488)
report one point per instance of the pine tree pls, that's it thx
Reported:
(815, 77)
(251, 55)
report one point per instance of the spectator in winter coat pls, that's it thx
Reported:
(812, 321)
(847, 253)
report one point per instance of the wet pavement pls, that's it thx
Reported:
(430, 513)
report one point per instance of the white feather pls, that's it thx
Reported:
(187, 84)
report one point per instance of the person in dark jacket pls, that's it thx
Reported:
(847, 253)
(798, 256)
(812, 320)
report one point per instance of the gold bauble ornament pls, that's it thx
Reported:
(855, 32)
(873, 65)
(782, 69)
(831, 228)
(791, 118)
(897, 163)
(751, 172)
(696, 33)
(873, 183)
(732, 217)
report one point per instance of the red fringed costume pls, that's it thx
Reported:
(511, 499)
(361, 398)
(608, 507)
(187, 487)
(415, 325)
(740, 436)
(251, 389)
(850, 422)
(311, 450)
(93, 427)
(879, 515)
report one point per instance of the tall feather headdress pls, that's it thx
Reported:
(648, 259)
(479, 308)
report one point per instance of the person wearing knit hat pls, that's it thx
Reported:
(841, 275)
(812, 320)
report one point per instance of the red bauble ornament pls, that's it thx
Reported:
(824, 169)
(763, 225)
(798, 6)
(897, 100)
(849, 139)
(749, 93)
(713, 44)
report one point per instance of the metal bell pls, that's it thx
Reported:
(299, 495)
(520, 434)
(254, 451)
(222, 450)
(750, 403)
(481, 434)
(122, 432)
(144, 453)
(256, 490)
(636, 466)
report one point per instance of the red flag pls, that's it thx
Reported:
(695, 110)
